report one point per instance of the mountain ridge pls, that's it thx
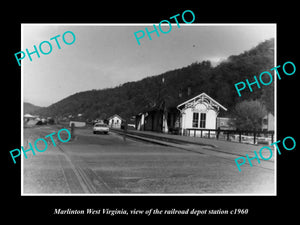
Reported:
(174, 87)
(30, 108)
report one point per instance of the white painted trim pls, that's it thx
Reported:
(198, 97)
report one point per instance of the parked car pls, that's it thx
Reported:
(100, 128)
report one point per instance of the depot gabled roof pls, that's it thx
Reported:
(202, 95)
(115, 116)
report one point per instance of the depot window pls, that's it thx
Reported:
(195, 119)
(202, 120)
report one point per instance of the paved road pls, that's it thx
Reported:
(106, 164)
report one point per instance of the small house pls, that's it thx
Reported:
(115, 121)
(77, 123)
(30, 120)
(226, 123)
(268, 122)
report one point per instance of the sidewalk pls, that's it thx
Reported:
(214, 144)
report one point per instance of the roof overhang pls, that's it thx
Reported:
(201, 96)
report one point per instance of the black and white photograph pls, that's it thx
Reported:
(149, 111)
(157, 109)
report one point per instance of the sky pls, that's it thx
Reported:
(107, 55)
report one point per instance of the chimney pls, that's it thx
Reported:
(180, 93)
(189, 91)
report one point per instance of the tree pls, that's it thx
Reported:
(249, 114)
(267, 97)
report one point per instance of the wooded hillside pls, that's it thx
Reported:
(179, 85)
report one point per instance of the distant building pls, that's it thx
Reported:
(30, 120)
(77, 123)
(29, 117)
(268, 122)
(115, 121)
(225, 123)
(199, 112)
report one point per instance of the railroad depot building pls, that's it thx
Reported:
(199, 112)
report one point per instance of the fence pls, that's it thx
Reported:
(242, 136)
